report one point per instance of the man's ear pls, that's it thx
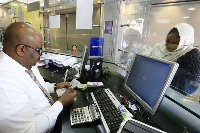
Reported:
(20, 50)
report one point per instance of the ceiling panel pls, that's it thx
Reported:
(23, 1)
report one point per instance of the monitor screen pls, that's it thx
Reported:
(148, 80)
(84, 60)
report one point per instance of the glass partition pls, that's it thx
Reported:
(61, 40)
(163, 17)
(146, 23)
(135, 17)
(127, 27)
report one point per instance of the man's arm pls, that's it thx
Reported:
(19, 114)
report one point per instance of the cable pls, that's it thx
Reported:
(105, 72)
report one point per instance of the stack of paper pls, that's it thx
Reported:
(95, 84)
(59, 59)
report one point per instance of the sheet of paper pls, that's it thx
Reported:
(94, 83)
(21, 17)
(59, 59)
(84, 11)
(54, 21)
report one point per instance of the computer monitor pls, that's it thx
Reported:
(148, 80)
(84, 60)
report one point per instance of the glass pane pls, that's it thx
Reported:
(163, 17)
(61, 40)
(111, 10)
(135, 16)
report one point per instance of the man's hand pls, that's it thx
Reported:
(67, 97)
(63, 85)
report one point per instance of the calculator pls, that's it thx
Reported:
(84, 114)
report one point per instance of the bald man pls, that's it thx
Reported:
(24, 106)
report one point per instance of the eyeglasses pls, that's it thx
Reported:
(39, 50)
(171, 44)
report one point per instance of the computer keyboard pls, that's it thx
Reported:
(108, 108)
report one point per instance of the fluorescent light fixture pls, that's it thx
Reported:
(162, 21)
(186, 17)
(191, 8)
(14, 4)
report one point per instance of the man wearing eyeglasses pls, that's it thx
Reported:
(25, 104)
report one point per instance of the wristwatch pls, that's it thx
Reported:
(55, 87)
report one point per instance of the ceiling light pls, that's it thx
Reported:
(14, 4)
(162, 21)
(191, 8)
(186, 17)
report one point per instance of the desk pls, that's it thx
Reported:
(115, 82)
(81, 100)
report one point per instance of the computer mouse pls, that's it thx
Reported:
(100, 129)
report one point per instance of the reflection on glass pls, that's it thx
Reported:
(131, 44)
(178, 47)
(108, 27)
(161, 19)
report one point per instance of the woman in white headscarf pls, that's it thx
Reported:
(178, 47)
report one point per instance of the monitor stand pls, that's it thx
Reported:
(144, 116)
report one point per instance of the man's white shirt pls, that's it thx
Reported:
(23, 106)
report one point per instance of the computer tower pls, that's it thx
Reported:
(95, 67)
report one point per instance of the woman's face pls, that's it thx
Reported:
(172, 42)
(74, 48)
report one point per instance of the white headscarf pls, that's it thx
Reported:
(186, 33)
